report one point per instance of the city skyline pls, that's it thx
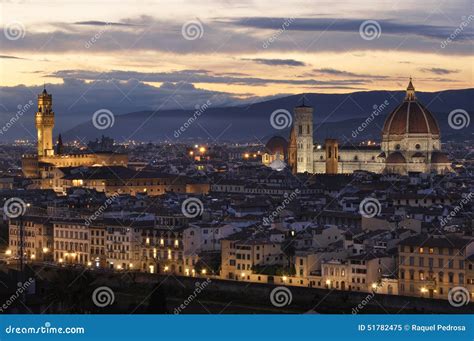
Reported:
(237, 53)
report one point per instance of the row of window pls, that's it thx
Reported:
(71, 246)
(430, 250)
(431, 262)
(421, 276)
(70, 234)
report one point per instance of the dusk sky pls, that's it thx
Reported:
(133, 48)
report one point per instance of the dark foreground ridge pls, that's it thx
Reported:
(70, 291)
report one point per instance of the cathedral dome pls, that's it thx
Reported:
(276, 144)
(410, 117)
(439, 157)
(396, 157)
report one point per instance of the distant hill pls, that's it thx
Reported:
(336, 115)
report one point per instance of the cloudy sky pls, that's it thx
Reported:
(174, 54)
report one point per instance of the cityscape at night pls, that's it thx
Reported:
(223, 158)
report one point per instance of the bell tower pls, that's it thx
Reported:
(304, 138)
(332, 154)
(44, 124)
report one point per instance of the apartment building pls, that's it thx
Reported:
(37, 238)
(71, 242)
(359, 272)
(241, 255)
(161, 251)
(122, 245)
(98, 249)
(431, 265)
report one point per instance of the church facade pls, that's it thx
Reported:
(410, 143)
(50, 156)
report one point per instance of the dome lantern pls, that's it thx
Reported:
(410, 96)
